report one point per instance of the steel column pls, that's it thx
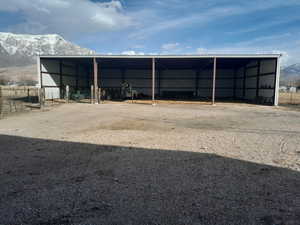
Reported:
(60, 78)
(258, 79)
(158, 84)
(39, 71)
(95, 81)
(153, 81)
(214, 81)
(277, 79)
(197, 83)
(244, 82)
(77, 77)
(88, 76)
(234, 83)
(123, 72)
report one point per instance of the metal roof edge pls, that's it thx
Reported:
(167, 56)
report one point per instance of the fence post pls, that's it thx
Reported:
(92, 94)
(42, 97)
(39, 96)
(14, 102)
(28, 95)
(99, 95)
(1, 102)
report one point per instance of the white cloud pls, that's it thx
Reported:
(201, 51)
(137, 46)
(200, 18)
(131, 52)
(266, 24)
(67, 17)
(290, 55)
(264, 39)
(170, 46)
(274, 44)
(207, 12)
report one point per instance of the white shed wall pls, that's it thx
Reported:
(50, 78)
(50, 72)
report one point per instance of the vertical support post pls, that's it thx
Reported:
(1, 102)
(88, 77)
(77, 77)
(39, 71)
(95, 82)
(197, 83)
(41, 79)
(234, 83)
(67, 96)
(99, 94)
(92, 94)
(123, 71)
(257, 80)
(277, 78)
(244, 82)
(28, 95)
(153, 81)
(60, 79)
(214, 81)
(158, 82)
(42, 97)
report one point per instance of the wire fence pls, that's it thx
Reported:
(289, 98)
(21, 99)
(18, 99)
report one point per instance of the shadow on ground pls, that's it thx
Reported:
(57, 182)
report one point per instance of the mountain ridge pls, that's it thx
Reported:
(18, 54)
(290, 74)
(21, 49)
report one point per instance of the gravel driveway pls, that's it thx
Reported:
(142, 165)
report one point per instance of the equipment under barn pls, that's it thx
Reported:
(242, 78)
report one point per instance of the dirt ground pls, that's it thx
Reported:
(143, 165)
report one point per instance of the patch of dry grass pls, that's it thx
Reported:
(289, 98)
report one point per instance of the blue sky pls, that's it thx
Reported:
(163, 26)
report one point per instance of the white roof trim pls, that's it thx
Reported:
(166, 56)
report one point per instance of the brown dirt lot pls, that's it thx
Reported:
(142, 164)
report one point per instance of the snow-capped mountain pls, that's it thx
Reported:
(21, 49)
(290, 73)
(292, 69)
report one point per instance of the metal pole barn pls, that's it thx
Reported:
(214, 81)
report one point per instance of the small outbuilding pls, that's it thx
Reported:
(238, 78)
